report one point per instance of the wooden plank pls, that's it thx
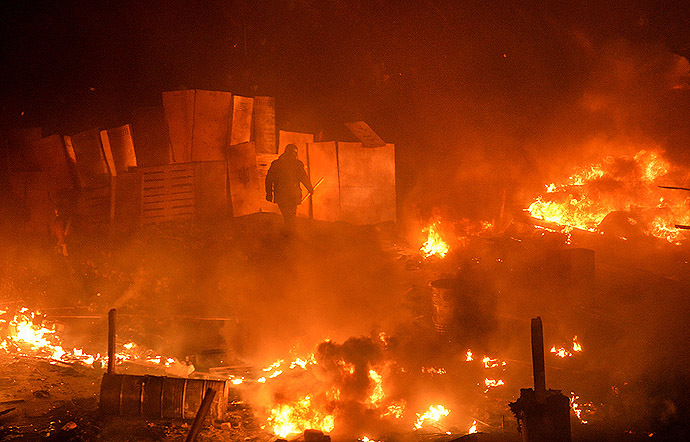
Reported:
(179, 116)
(243, 180)
(301, 140)
(367, 183)
(212, 112)
(122, 148)
(36, 200)
(150, 137)
(263, 162)
(127, 200)
(241, 126)
(323, 163)
(265, 125)
(211, 190)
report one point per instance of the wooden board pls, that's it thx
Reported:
(301, 140)
(94, 207)
(127, 200)
(122, 148)
(211, 190)
(36, 201)
(107, 153)
(265, 125)
(91, 167)
(167, 193)
(241, 125)
(212, 112)
(263, 163)
(365, 134)
(150, 137)
(323, 163)
(367, 183)
(243, 180)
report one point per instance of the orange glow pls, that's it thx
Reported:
(492, 383)
(468, 356)
(473, 428)
(377, 394)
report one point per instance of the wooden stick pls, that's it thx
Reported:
(111, 341)
(538, 356)
(204, 408)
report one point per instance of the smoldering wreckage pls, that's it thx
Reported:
(173, 309)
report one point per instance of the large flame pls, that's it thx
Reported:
(434, 244)
(298, 416)
(431, 416)
(617, 184)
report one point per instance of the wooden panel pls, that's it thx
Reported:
(300, 140)
(107, 153)
(167, 193)
(179, 116)
(365, 134)
(323, 163)
(122, 148)
(150, 137)
(243, 179)
(127, 200)
(91, 166)
(211, 190)
(212, 111)
(94, 206)
(242, 109)
(263, 163)
(367, 183)
(52, 159)
(36, 201)
(265, 125)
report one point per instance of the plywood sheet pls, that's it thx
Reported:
(263, 163)
(211, 190)
(243, 180)
(90, 161)
(367, 183)
(122, 148)
(212, 112)
(300, 140)
(241, 125)
(179, 117)
(127, 200)
(323, 163)
(108, 154)
(265, 125)
(150, 137)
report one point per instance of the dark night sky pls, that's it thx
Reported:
(466, 83)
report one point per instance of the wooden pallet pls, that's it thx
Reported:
(168, 193)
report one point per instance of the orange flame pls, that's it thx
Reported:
(294, 418)
(432, 415)
(434, 245)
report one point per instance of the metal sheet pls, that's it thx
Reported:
(300, 140)
(150, 137)
(263, 162)
(122, 148)
(365, 134)
(179, 117)
(241, 126)
(243, 179)
(211, 122)
(90, 160)
(367, 183)
(265, 125)
(323, 162)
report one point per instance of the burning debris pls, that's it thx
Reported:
(619, 196)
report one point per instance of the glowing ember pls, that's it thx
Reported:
(432, 415)
(492, 363)
(580, 409)
(623, 185)
(432, 371)
(395, 410)
(294, 418)
(468, 356)
(492, 383)
(565, 353)
(434, 245)
(473, 428)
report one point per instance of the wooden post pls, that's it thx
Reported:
(538, 357)
(111, 341)
(201, 415)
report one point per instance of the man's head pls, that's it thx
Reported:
(291, 151)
